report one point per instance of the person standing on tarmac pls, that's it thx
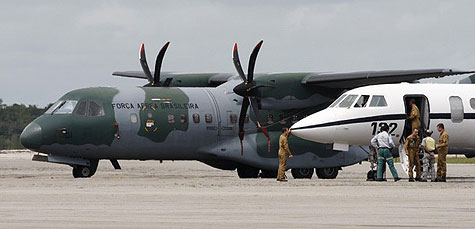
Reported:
(411, 146)
(442, 148)
(284, 152)
(414, 116)
(428, 145)
(383, 142)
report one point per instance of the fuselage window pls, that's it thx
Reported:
(171, 118)
(208, 118)
(81, 108)
(282, 120)
(295, 118)
(54, 107)
(133, 118)
(472, 103)
(196, 118)
(362, 101)
(182, 118)
(270, 118)
(378, 101)
(66, 108)
(95, 109)
(337, 100)
(456, 109)
(233, 118)
(348, 101)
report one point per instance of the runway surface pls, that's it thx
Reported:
(191, 194)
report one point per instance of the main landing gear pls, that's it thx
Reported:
(246, 172)
(80, 171)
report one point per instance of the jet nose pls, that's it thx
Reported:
(32, 136)
(314, 128)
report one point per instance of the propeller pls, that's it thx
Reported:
(248, 90)
(155, 80)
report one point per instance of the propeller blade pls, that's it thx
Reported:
(143, 63)
(255, 108)
(158, 65)
(252, 62)
(237, 63)
(242, 119)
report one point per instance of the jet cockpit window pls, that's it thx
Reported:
(54, 107)
(338, 100)
(81, 108)
(66, 108)
(348, 101)
(378, 101)
(95, 109)
(362, 101)
(472, 103)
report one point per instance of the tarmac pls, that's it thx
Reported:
(188, 194)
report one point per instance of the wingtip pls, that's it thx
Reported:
(235, 47)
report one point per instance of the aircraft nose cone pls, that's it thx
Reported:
(32, 136)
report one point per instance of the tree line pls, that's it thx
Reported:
(13, 119)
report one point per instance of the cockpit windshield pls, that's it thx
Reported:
(348, 101)
(62, 107)
(338, 100)
(54, 107)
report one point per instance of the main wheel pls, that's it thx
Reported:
(80, 171)
(371, 175)
(302, 173)
(245, 171)
(327, 173)
(268, 173)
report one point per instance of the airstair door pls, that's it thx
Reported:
(422, 103)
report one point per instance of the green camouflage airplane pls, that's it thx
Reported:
(201, 117)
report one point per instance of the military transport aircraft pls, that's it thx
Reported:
(356, 116)
(201, 117)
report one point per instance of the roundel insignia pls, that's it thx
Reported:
(149, 124)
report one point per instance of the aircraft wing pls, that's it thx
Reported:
(346, 80)
(183, 79)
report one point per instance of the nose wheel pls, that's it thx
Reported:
(80, 171)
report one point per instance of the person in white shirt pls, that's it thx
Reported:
(428, 161)
(383, 142)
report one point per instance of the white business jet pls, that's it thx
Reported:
(357, 115)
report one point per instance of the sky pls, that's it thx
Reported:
(48, 48)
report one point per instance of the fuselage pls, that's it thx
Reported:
(170, 123)
(355, 117)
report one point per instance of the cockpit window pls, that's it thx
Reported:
(54, 107)
(362, 101)
(378, 101)
(348, 101)
(338, 100)
(81, 108)
(66, 107)
(95, 109)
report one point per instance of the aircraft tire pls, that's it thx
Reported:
(268, 173)
(246, 172)
(327, 173)
(303, 173)
(371, 175)
(85, 171)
